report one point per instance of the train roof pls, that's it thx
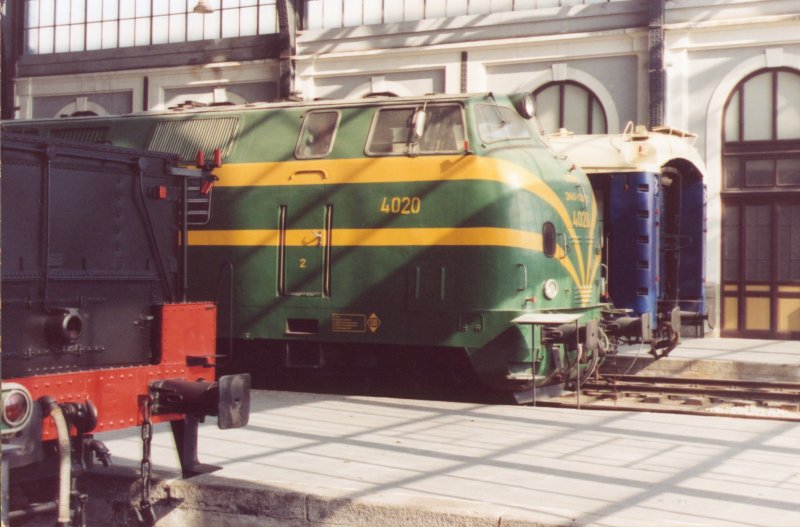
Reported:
(192, 108)
(635, 150)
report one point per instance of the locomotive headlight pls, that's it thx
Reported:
(524, 104)
(550, 289)
(17, 406)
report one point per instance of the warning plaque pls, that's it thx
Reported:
(348, 323)
(373, 322)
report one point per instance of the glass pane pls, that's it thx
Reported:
(444, 131)
(434, 9)
(127, 9)
(142, 31)
(549, 239)
(230, 3)
(93, 34)
(160, 29)
(62, 12)
(47, 12)
(230, 23)
(94, 10)
(372, 13)
(178, 6)
(480, 7)
(788, 105)
(732, 119)
(392, 12)
(32, 41)
(576, 109)
(497, 123)
(520, 5)
(758, 242)
(142, 7)
(126, 36)
(789, 171)
(211, 25)
(547, 108)
(457, 7)
(32, 13)
(316, 139)
(78, 13)
(109, 35)
(194, 28)
(758, 108)
(248, 21)
(502, 6)
(267, 20)
(332, 13)
(391, 132)
(413, 10)
(352, 12)
(730, 243)
(160, 8)
(46, 35)
(76, 37)
(759, 173)
(110, 11)
(62, 39)
(789, 246)
(599, 124)
(177, 28)
(733, 173)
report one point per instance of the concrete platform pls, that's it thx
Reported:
(733, 359)
(326, 460)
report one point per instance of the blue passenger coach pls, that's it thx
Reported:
(650, 187)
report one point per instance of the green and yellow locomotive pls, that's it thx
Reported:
(440, 229)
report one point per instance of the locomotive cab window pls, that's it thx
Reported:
(549, 239)
(498, 123)
(317, 134)
(429, 129)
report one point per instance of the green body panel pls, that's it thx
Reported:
(430, 295)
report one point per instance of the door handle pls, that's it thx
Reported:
(319, 173)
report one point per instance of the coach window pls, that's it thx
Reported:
(549, 239)
(569, 105)
(317, 134)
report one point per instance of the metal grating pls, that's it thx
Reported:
(81, 135)
(186, 137)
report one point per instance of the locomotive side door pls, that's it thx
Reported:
(306, 220)
(305, 235)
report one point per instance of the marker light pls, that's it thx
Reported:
(16, 406)
(525, 105)
(550, 289)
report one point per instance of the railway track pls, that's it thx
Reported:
(744, 399)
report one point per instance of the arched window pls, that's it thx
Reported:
(761, 206)
(762, 131)
(570, 105)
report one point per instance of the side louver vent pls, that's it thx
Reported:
(186, 137)
(81, 135)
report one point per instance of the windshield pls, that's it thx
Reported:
(498, 123)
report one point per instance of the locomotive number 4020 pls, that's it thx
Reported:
(401, 205)
(581, 218)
